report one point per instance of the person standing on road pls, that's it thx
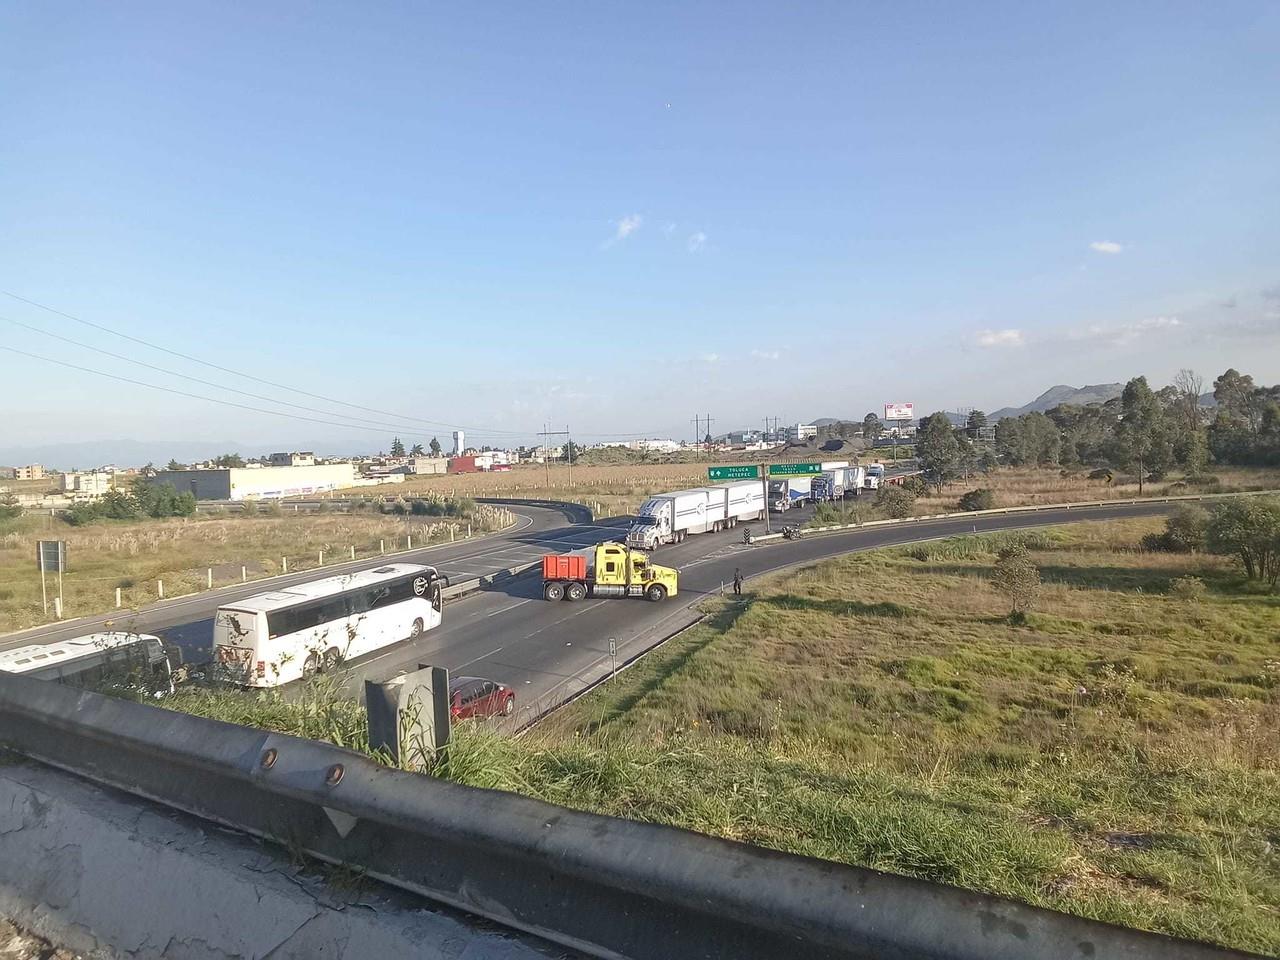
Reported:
(737, 581)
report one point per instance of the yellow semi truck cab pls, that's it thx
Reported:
(612, 570)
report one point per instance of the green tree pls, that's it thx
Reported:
(118, 505)
(415, 450)
(434, 446)
(938, 450)
(977, 420)
(1248, 528)
(871, 428)
(397, 448)
(175, 465)
(1017, 577)
(9, 508)
(1141, 438)
(229, 460)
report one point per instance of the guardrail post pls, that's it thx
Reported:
(409, 715)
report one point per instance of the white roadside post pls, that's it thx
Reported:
(117, 598)
(208, 578)
(160, 588)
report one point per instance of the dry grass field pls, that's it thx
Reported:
(135, 555)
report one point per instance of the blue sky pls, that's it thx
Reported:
(616, 216)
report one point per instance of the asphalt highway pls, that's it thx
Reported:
(549, 651)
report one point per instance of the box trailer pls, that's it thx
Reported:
(830, 485)
(670, 517)
(745, 501)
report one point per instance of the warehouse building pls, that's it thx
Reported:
(261, 483)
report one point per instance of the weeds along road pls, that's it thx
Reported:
(548, 651)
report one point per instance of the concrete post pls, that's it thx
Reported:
(468, 531)
(409, 540)
(117, 598)
(353, 551)
(382, 546)
(409, 715)
(452, 531)
(208, 578)
(57, 607)
(322, 558)
(160, 588)
(244, 573)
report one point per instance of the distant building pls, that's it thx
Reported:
(32, 471)
(264, 483)
(86, 486)
(801, 432)
(459, 442)
(424, 466)
(654, 446)
(304, 459)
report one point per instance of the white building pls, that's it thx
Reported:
(265, 483)
(303, 458)
(801, 432)
(654, 446)
(86, 486)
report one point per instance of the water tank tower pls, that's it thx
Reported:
(458, 442)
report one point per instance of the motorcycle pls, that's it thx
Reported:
(791, 532)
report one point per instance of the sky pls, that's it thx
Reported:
(613, 217)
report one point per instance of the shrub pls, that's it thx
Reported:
(78, 514)
(1017, 577)
(420, 508)
(895, 501)
(1188, 588)
(9, 508)
(1184, 532)
(916, 486)
(1203, 480)
(1249, 530)
(980, 499)
(1102, 473)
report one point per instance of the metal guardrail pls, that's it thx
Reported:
(609, 887)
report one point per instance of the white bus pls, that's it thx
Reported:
(299, 631)
(133, 661)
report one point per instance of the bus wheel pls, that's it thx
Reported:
(656, 592)
(331, 659)
(310, 666)
(416, 630)
(553, 591)
(575, 591)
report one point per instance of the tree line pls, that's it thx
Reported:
(1143, 430)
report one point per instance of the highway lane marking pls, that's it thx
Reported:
(518, 603)
(463, 666)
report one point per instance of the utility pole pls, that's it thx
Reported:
(697, 437)
(709, 422)
(546, 450)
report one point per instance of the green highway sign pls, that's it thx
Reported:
(744, 472)
(793, 469)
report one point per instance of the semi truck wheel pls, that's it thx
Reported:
(553, 591)
(575, 591)
(656, 593)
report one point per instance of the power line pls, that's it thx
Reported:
(207, 383)
(181, 393)
(249, 376)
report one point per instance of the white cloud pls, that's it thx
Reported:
(1106, 246)
(711, 357)
(627, 226)
(766, 354)
(697, 241)
(999, 338)
(1121, 334)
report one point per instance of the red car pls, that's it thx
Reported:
(476, 697)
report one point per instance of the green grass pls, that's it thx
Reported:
(1116, 756)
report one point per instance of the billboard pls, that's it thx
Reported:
(899, 411)
(51, 556)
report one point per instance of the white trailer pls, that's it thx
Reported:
(670, 517)
(745, 500)
(831, 484)
(874, 476)
(855, 481)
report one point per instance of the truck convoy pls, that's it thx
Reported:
(609, 570)
(670, 517)
(788, 493)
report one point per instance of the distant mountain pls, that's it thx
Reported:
(1056, 396)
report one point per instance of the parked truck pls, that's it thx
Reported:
(788, 493)
(875, 476)
(670, 517)
(608, 570)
